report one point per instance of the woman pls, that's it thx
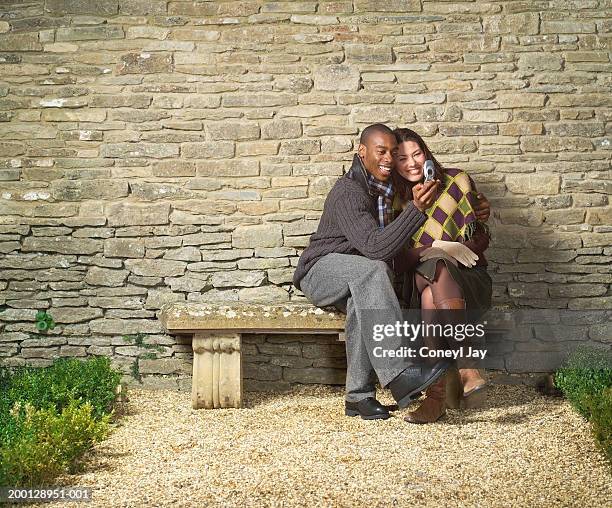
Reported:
(446, 267)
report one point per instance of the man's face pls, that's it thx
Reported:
(377, 155)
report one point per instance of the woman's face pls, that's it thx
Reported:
(409, 161)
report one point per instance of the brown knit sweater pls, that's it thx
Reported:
(349, 225)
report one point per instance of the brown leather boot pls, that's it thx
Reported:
(451, 304)
(454, 390)
(434, 405)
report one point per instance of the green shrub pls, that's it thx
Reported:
(600, 408)
(50, 416)
(48, 442)
(587, 373)
(586, 381)
(67, 379)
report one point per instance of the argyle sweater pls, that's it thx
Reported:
(349, 225)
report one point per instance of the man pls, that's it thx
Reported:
(346, 265)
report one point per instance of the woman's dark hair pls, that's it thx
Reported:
(402, 186)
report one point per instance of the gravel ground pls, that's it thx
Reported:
(298, 449)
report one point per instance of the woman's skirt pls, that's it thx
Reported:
(475, 283)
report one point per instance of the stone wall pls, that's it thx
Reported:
(153, 151)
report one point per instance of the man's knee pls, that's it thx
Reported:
(376, 267)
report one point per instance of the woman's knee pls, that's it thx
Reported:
(441, 269)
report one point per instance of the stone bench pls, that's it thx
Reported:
(217, 343)
(217, 331)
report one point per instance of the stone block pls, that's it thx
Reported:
(259, 100)
(520, 100)
(414, 98)
(75, 315)
(238, 278)
(189, 284)
(208, 150)
(524, 23)
(13, 336)
(601, 332)
(20, 42)
(493, 116)
(132, 214)
(263, 294)
(89, 33)
(336, 78)
(597, 303)
(284, 128)
(88, 7)
(124, 248)
(540, 61)
(142, 7)
(77, 190)
(156, 267)
(281, 275)
(262, 235)
(174, 168)
(164, 366)
(388, 6)
(124, 326)
(314, 375)
(120, 101)
(156, 298)
(117, 302)
(309, 19)
(153, 150)
(318, 350)
(42, 341)
(233, 131)
(567, 27)
(533, 184)
(262, 371)
(144, 63)
(184, 254)
(300, 147)
(62, 244)
(39, 352)
(373, 54)
(97, 276)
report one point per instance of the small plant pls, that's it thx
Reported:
(44, 321)
(139, 340)
(135, 370)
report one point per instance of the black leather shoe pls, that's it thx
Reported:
(368, 409)
(413, 380)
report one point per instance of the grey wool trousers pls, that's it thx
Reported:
(363, 289)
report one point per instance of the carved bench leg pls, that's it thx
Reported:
(217, 371)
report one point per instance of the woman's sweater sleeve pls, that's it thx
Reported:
(479, 242)
(354, 216)
(408, 258)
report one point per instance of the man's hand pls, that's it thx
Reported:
(424, 195)
(482, 208)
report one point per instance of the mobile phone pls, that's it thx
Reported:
(429, 170)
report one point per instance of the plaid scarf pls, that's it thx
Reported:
(452, 216)
(384, 191)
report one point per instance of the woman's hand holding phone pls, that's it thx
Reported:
(424, 194)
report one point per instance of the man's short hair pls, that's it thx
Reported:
(376, 128)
